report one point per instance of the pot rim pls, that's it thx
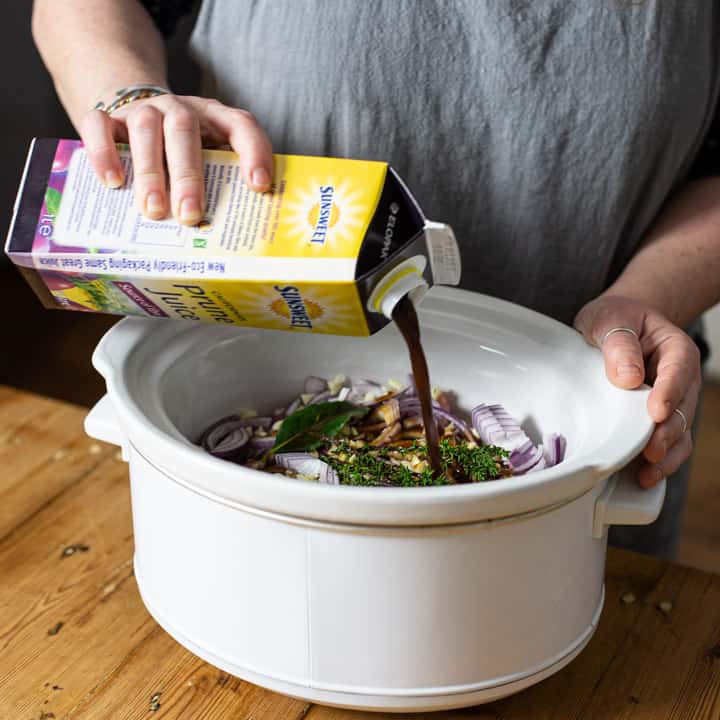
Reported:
(445, 505)
(368, 529)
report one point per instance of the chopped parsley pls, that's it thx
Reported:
(409, 466)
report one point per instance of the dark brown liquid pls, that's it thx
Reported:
(406, 319)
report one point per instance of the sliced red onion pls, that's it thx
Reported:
(314, 385)
(227, 439)
(320, 397)
(361, 389)
(554, 452)
(521, 462)
(496, 426)
(493, 415)
(263, 421)
(454, 419)
(408, 393)
(525, 449)
(293, 406)
(541, 464)
(411, 401)
(300, 462)
(328, 476)
(261, 444)
(407, 402)
(306, 464)
(411, 406)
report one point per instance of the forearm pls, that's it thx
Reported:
(94, 47)
(677, 269)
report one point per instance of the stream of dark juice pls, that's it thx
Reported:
(406, 319)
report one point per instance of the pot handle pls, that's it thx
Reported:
(102, 423)
(624, 502)
(115, 346)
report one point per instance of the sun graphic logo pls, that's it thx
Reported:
(327, 216)
(323, 215)
(290, 305)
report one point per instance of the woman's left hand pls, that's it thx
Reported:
(656, 352)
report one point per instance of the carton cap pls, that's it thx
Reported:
(444, 253)
(404, 279)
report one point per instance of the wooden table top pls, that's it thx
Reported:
(77, 643)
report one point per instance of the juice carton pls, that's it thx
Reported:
(329, 249)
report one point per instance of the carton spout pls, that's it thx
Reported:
(404, 279)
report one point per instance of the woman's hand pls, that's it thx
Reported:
(169, 131)
(662, 355)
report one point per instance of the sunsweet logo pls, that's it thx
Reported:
(326, 215)
(323, 215)
(291, 305)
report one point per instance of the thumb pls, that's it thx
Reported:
(618, 338)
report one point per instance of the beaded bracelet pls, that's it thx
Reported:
(130, 94)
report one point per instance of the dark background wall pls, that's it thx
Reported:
(42, 350)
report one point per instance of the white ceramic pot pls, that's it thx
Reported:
(378, 598)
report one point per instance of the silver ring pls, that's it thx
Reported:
(617, 330)
(684, 419)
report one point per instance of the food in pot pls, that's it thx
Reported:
(364, 433)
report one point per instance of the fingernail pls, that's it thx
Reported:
(190, 210)
(627, 370)
(113, 179)
(658, 472)
(261, 177)
(155, 204)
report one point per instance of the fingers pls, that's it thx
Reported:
(624, 365)
(670, 431)
(677, 386)
(145, 133)
(168, 128)
(651, 474)
(248, 140)
(97, 135)
(185, 165)
(678, 371)
(613, 324)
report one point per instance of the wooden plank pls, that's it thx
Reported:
(68, 620)
(665, 666)
(700, 530)
(160, 674)
(43, 450)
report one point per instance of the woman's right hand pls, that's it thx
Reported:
(166, 134)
